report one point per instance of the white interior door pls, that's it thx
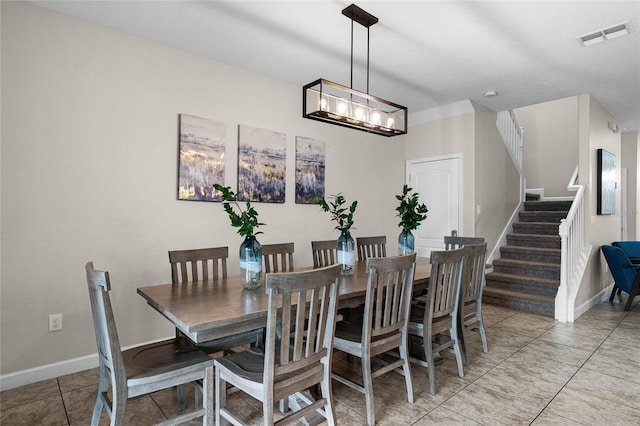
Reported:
(438, 181)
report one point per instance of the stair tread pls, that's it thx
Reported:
(525, 224)
(546, 236)
(501, 276)
(525, 263)
(531, 249)
(510, 294)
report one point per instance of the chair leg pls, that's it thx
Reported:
(406, 368)
(627, 307)
(118, 407)
(267, 411)
(613, 293)
(463, 348)
(182, 397)
(207, 397)
(327, 394)
(199, 396)
(457, 349)
(428, 356)
(103, 387)
(458, 353)
(367, 381)
(483, 334)
(221, 398)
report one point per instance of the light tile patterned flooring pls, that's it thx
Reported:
(537, 372)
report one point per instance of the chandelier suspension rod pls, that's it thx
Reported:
(368, 44)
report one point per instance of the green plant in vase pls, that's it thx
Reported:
(246, 220)
(411, 213)
(343, 216)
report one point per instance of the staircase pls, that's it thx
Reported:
(527, 275)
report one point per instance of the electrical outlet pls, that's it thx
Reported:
(55, 322)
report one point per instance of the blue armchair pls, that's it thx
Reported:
(625, 274)
(630, 248)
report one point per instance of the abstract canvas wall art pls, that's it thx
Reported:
(262, 157)
(310, 157)
(201, 158)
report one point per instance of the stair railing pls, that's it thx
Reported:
(513, 137)
(574, 253)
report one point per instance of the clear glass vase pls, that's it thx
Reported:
(346, 253)
(405, 242)
(251, 263)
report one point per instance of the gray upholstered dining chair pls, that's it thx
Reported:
(382, 328)
(144, 369)
(436, 320)
(287, 367)
(324, 253)
(371, 247)
(278, 257)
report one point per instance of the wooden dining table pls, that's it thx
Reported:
(210, 309)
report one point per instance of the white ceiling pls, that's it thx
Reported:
(424, 54)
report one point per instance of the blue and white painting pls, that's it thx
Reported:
(310, 158)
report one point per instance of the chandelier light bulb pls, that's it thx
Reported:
(342, 108)
(390, 122)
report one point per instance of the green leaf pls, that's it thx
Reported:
(245, 220)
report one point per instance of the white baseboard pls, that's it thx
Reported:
(600, 297)
(51, 371)
(46, 372)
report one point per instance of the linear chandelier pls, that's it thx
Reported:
(334, 103)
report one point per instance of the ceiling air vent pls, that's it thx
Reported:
(605, 34)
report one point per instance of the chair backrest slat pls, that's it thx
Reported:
(308, 313)
(109, 349)
(444, 282)
(371, 247)
(389, 290)
(473, 271)
(324, 253)
(278, 257)
(198, 264)
(454, 242)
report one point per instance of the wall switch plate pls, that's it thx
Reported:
(55, 322)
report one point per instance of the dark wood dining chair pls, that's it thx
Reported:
(436, 320)
(144, 369)
(371, 247)
(324, 253)
(277, 257)
(198, 264)
(382, 328)
(473, 272)
(288, 367)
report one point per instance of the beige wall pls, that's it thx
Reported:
(451, 135)
(89, 166)
(490, 179)
(630, 142)
(600, 229)
(550, 153)
(497, 182)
